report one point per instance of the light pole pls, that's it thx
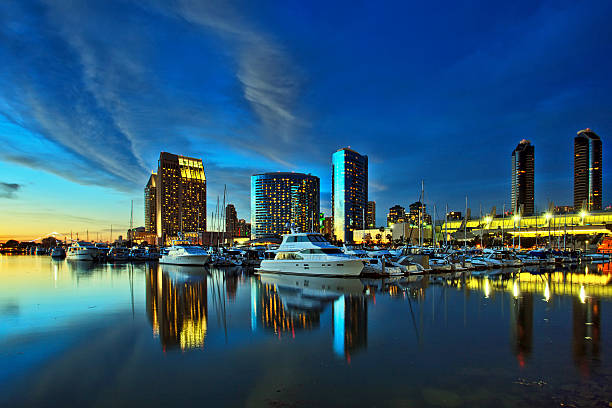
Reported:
(516, 218)
(548, 217)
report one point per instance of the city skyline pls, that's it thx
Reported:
(84, 114)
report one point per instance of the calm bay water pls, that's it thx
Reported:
(81, 334)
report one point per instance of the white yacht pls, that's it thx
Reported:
(311, 254)
(81, 251)
(185, 255)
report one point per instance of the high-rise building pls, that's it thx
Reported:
(397, 214)
(279, 199)
(587, 171)
(371, 214)
(181, 196)
(523, 158)
(349, 192)
(231, 221)
(150, 204)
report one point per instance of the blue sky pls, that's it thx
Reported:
(92, 91)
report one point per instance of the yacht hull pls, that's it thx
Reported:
(80, 257)
(352, 267)
(185, 260)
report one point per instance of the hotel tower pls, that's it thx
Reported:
(180, 196)
(349, 192)
(278, 199)
(587, 171)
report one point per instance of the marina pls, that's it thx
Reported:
(526, 336)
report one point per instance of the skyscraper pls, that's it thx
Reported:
(150, 204)
(181, 196)
(587, 171)
(349, 192)
(231, 221)
(278, 199)
(371, 214)
(523, 158)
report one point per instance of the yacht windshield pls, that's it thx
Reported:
(316, 238)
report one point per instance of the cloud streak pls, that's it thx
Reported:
(9, 190)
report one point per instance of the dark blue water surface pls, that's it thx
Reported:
(82, 334)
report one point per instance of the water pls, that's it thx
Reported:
(77, 334)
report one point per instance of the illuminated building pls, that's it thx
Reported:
(349, 192)
(397, 214)
(279, 199)
(231, 221)
(371, 214)
(523, 158)
(181, 196)
(587, 171)
(418, 210)
(150, 204)
(177, 309)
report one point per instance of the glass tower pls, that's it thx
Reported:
(349, 192)
(523, 158)
(278, 199)
(587, 171)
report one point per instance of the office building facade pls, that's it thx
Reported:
(181, 196)
(279, 199)
(349, 192)
(587, 171)
(522, 197)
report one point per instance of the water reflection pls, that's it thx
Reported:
(586, 337)
(177, 308)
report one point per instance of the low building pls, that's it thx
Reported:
(373, 236)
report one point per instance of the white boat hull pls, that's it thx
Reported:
(349, 267)
(80, 257)
(184, 260)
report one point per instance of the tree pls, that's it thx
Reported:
(11, 243)
(49, 242)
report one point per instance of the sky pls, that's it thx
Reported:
(92, 91)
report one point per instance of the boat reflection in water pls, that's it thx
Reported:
(176, 298)
(285, 304)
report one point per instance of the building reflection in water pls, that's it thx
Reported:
(286, 304)
(350, 326)
(586, 313)
(177, 307)
(521, 319)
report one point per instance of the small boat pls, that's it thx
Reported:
(138, 254)
(58, 253)
(184, 255)
(118, 254)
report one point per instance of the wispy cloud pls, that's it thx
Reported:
(8, 190)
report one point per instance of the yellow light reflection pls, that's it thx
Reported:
(487, 288)
(547, 292)
(515, 289)
(582, 294)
